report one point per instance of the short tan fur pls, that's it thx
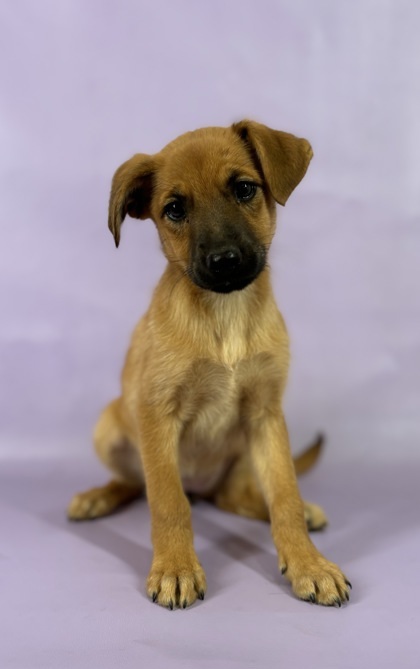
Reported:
(201, 404)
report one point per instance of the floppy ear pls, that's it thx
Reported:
(131, 192)
(282, 158)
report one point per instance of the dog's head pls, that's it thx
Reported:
(211, 194)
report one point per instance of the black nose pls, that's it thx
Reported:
(223, 261)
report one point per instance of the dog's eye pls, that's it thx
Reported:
(244, 190)
(175, 211)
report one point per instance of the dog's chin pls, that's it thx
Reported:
(226, 285)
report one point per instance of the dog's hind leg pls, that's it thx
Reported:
(116, 450)
(240, 493)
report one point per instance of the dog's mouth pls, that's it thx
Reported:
(228, 282)
(225, 286)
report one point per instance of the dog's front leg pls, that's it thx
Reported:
(313, 578)
(176, 577)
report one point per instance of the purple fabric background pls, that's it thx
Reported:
(84, 85)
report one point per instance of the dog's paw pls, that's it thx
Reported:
(315, 517)
(173, 585)
(89, 505)
(315, 579)
(99, 502)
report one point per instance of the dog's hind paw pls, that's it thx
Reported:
(99, 502)
(315, 517)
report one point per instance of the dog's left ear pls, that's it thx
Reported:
(131, 192)
(282, 158)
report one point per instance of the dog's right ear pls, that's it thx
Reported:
(131, 192)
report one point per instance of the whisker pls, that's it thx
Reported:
(175, 261)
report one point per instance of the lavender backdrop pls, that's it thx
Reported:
(86, 84)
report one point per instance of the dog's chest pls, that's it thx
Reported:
(215, 405)
(210, 399)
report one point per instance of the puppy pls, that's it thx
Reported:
(201, 404)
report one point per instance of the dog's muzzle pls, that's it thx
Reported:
(227, 268)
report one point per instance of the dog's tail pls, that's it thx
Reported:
(309, 457)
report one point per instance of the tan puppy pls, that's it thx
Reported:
(202, 386)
